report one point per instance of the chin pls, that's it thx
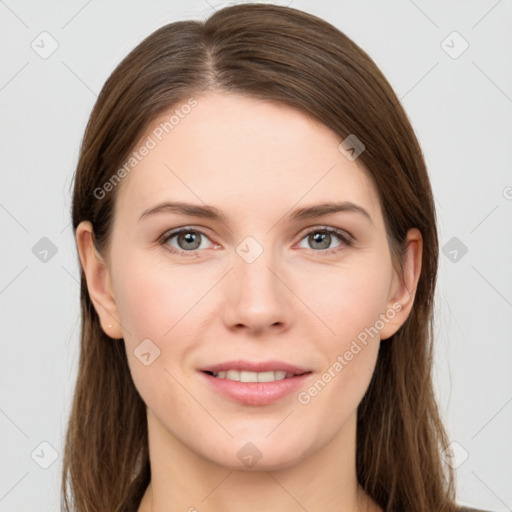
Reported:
(260, 454)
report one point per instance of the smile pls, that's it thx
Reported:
(247, 376)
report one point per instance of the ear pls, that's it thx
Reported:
(403, 288)
(98, 280)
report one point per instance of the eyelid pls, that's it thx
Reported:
(183, 229)
(347, 239)
(344, 234)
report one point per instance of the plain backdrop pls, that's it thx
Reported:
(450, 63)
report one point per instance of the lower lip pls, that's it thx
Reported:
(256, 393)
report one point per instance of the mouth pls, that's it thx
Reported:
(248, 376)
(255, 383)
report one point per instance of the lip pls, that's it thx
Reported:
(256, 393)
(251, 366)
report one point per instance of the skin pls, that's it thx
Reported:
(255, 161)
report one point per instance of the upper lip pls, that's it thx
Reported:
(251, 366)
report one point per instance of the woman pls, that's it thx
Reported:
(257, 237)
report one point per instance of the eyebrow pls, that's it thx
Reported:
(210, 212)
(319, 210)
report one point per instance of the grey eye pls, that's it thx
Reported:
(321, 239)
(189, 240)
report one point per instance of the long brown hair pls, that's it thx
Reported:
(288, 56)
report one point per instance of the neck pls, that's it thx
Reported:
(325, 481)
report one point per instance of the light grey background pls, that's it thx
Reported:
(461, 110)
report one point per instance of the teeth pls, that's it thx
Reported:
(244, 376)
(233, 375)
(271, 376)
(248, 376)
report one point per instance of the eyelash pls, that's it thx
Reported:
(346, 239)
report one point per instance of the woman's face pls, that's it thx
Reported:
(262, 282)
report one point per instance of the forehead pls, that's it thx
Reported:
(237, 152)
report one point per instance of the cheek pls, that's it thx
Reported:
(351, 310)
(161, 303)
(348, 299)
(150, 301)
(155, 297)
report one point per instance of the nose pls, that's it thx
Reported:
(257, 297)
